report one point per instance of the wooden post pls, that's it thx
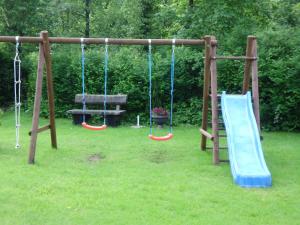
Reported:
(44, 58)
(37, 105)
(206, 86)
(248, 63)
(255, 92)
(50, 91)
(214, 102)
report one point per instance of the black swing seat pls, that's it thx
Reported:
(113, 116)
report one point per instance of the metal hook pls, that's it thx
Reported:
(173, 42)
(149, 41)
(17, 44)
(82, 42)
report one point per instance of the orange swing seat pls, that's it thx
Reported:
(162, 138)
(90, 127)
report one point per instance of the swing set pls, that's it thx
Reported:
(44, 60)
(104, 126)
(84, 124)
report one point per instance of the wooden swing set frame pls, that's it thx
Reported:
(210, 81)
(210, 90)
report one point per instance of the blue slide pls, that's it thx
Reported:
(246, 157)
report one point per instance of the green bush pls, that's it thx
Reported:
(279, 79)
(127, 74)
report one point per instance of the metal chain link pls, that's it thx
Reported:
(105, 78)
(150, 83)
(172, 84)
(83, 81)
(17, 92)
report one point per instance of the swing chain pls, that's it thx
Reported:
(150, 83)
(105, 79)
(172, 83)
(82, 77)
(17, 92)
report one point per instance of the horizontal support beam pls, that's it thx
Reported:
(206, 134)
(110, 41)
(41, 129)
(234, 57)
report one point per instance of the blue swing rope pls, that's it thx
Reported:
(105, 78)
(83, 81)
(171, 85)
(150, 83)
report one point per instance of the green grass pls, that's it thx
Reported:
(138, 181)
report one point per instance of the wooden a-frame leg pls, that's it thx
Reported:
(255, 89)
(206, 86)
(50, 91)
(37, 106)
(214, 103)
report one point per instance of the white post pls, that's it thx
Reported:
(138, 120)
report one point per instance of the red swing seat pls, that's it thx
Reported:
(162, 138)
(90, 127)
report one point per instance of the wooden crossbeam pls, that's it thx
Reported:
(111, 41)
(41, 129)
(235, 57)
(206, 134)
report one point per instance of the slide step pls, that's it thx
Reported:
(220, 148)
(224, 160)
(219, 122)
(218, 96)
(219, 109)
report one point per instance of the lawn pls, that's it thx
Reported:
(118, 176)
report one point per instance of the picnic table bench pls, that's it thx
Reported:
(113, 116)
